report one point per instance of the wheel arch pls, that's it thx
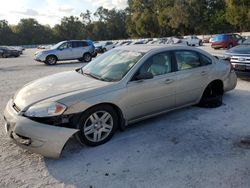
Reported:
(118, 111)
(86, 53)
(218, 84)
(52, 55)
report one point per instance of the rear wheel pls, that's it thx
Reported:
(97, 125)
(87, 57)
(212, 96)
(51, 60)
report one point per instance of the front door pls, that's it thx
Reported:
(65, 51)
(146, 97)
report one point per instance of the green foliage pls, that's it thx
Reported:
(142, 18)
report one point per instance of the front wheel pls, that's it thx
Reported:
(97, 125)
(51, 60)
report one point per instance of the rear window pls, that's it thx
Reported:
(220, 37)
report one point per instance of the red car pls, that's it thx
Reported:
(226, 41)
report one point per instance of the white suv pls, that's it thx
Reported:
(193, 40)
(81, 50)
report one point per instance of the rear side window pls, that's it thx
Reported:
(187, 60)
(220, 37)
(85, 43)
(76, 44)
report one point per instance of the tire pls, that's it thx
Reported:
(200, 43)
(51, 60)
(104, 50)
(4, 55)
(87, 57)
(94, 130)
(211, 98)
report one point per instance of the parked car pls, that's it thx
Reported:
(176, 40)
(226, 41)
(137, 42)
(206, 39)
(239, 56)
(18, 48)
(192, 40)
(123, 43)
(81, 50)
(9, 52)
(102, 47)
(122, 86)
(91, 44)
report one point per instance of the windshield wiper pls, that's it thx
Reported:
(95, 76)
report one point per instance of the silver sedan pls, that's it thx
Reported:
(122, 86)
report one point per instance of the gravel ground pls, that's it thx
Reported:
(191, 147)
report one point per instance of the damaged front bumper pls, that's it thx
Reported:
(47, 140)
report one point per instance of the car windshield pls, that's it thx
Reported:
(57, 45)
(247, 41)
(113, 65)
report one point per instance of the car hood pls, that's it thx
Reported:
(241, 49)
(53, 86)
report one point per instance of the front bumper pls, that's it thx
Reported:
(240, 62)
(40, 57)
(241, 66)
(47, 140)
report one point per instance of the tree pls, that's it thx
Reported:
(69, 28)
(6, 34)
(237, 14)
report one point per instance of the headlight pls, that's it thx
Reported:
(45, 110)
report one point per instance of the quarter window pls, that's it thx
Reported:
(187, 60)
(158, 64)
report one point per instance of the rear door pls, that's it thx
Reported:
(79, 47)
(146, 97)
(193, 71)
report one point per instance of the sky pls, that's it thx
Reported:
(51, 11)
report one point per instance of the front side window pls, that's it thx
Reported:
(158, 64)
(112, 65)
(205, 60)
(65, 45)
(187, 60)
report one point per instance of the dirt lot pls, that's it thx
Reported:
(191, 147)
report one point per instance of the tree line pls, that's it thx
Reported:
(141, 18)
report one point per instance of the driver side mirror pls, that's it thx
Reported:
(144, 76)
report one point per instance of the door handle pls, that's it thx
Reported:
(168, 81)
(203, 73)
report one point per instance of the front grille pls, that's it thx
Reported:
(17, 109)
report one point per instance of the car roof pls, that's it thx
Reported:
(154, 47)
(146, 48)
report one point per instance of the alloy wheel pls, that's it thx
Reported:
(98, 126)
